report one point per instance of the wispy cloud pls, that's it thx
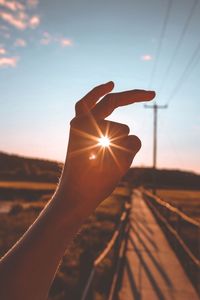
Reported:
(2, 50)
(22, 16)
(20, 43)
(34, 21)
(65, 42)
(47, 38)
(147, 57)
(18, 15)
(12, 5)
(17, 22)
(8, 62)
(33, 3)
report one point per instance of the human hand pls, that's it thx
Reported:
(92, 170)
(90, 174)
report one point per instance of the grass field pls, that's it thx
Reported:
(90, 241)
(187, 201)
(26, 185)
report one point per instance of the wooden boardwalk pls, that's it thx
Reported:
(151, 270)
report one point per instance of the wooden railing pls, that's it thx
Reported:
(176, 225)
(115, 244)
(172, 220)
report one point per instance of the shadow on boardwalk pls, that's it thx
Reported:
(151, 269)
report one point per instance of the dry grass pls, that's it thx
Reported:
(90, 241)
(26, 185)
(187, 201)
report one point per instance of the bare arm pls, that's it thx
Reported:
(90, 174)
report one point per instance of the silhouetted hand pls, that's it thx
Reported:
(90, 174)
(92, 170)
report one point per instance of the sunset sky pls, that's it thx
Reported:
(53, 52)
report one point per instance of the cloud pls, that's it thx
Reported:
(12, 5)
(33, 3)
(2, 50)
(34, 21)
(65, 42)
(17, 14)
(17, 22)
(8, 62)
(146, 57)
(46, 39)
(20, 43)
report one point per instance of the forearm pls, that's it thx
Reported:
(27, 270)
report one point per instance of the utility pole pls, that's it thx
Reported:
(155, 107)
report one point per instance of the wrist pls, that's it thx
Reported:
(70, 206)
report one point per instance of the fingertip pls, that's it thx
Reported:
(151, 94)
(134, 143)
(110, 84)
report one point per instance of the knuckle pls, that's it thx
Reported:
(137, 142)
(125, 128)
(96, 91)
(112, 100)
(77, 121)
(72, 122)
(108, 100)
(78, 105)
(81, 107)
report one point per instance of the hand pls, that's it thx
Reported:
(90, 174)
(92, 171)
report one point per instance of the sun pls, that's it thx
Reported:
(104, 141)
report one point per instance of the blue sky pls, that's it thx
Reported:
(53, 52)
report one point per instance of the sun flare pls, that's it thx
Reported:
(104, 141)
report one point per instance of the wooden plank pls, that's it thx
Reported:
(151, 271)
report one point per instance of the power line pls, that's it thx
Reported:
(162, 34)
(182, 35)
(185, 73)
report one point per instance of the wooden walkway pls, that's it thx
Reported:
(151, 270)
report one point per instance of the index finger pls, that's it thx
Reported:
(111, 101)
(88, 101)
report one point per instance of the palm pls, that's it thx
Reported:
(96, 169)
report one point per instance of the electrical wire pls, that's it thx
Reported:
(161, 38)
(179, 43)
(186, 72)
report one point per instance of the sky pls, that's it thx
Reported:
(54, 52)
